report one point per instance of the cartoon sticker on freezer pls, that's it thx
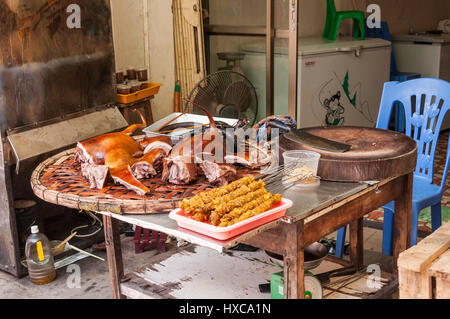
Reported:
(335, 110)
(340, 100)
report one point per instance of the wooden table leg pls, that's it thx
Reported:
(148, 112)
(294, 276)
(356, 243)
(114, 253)
(402, 220)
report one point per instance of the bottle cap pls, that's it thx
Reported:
(34, 229)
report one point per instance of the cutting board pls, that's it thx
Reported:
(375, 154)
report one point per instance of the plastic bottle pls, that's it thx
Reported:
(176, 98)
(38, 252)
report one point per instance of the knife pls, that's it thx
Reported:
(302, 137)
(324, 278)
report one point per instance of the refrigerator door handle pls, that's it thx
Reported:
(356, 50)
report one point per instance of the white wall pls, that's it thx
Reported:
(128, 27)
(143, 37)
(312, 15)
(162, 55)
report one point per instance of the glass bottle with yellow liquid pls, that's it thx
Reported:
(38, 252)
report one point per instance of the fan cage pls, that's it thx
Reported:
(224, 90)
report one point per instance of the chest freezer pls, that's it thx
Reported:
(427, 54)
(339, 82)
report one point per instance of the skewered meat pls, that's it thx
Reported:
(231, 203)
(233, 200)
(268, 200)
(201, 201)
(117, 152)
(262, 202)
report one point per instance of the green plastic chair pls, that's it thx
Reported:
(334, 19)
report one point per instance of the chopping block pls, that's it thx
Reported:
(374, 155)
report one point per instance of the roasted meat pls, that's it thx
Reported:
(119, 153)
(162, 142)
(95, 174)
(150, 164)
(179, 170)
(252, 156)
(180, 167)
(217, 173)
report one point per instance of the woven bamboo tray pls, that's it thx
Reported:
(58, 180)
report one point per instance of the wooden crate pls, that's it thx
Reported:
(424, 270)
(153, 89)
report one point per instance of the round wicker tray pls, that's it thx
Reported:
(58, 180)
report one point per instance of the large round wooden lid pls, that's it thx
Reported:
(375, 154)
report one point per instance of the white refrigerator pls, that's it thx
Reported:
(427, 54)
(339, 82)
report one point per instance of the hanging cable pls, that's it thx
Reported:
(94, 222)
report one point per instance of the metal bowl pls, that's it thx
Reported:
(314, 254)
(230, 55)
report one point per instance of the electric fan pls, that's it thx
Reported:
(226, 94)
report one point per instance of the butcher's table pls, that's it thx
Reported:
(314, 214)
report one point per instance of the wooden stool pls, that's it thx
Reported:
(143, 103)
(142, 240)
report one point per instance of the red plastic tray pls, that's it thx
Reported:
(224, 233)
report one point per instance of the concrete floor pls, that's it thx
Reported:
(94, 278)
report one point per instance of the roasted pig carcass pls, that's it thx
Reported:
(150, 164)
(121, 156)
(218, 169)
(216, 173)
(253, 158)
(95, 174)
(180, 167)
(179, 170)
(162, 142)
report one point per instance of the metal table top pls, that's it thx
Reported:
(305, 203)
